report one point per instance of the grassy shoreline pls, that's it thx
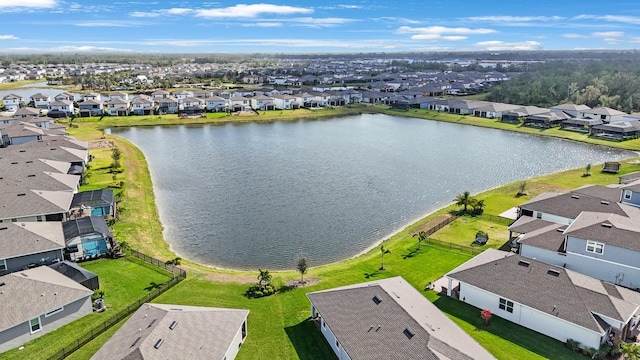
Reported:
(142, 228)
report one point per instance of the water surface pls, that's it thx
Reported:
(259, 195)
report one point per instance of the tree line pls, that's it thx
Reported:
(612, 83)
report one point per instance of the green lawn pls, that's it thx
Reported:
(463, 232)
(123, 280)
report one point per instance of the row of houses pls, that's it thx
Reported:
(576, 274)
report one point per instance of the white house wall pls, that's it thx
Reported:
(235, 345)
(544, 255)
(331, 339)
(612, 272)
(553, 218)
(533, 319)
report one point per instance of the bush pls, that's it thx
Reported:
(573, 345)
(257, 291)
(97, 294)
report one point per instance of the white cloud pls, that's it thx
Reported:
(319, 22)
(264, 24)
(441, 33)
(107, 23)
(8, 37)
(575, 36)
(496, 45)
(635, 20)
(396, 20)
(251, 11)
(608, 34)
(513, 19)
(162, 12)
(28, 3)
(441, 30)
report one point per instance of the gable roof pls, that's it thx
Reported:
(539, 233)
(559, 292)
(20, 239)
(570, 205)
(376, 328)
(198, 333)
(607, 228)
(31, 293)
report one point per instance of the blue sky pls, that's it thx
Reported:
(316, 26)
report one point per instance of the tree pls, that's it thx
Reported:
(302, 268)
(383, 251)
(478, 206)
(587, 170)
(486, 316)
(463, 199)
(422, 236)
(630, 351)
(522, 189)
(264, 278)
(175, 261)
(115, 156)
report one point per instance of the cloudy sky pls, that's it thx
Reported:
(316, 26)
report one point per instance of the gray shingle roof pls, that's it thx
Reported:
(540, 233)
(607, 228)
(370, 330)
(20, 239)
(571, 204)
(200, 333)
(569, 295)
(30, 293)
(33, 202)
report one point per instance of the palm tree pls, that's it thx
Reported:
(383, 251)
(264, 278)
(463, 199)
(422, 236)
(478, 206)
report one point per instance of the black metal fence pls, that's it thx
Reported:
(178, 276)
(451, 246)
(440, 225)
(497, 219)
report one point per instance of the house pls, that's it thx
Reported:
(93, 203)
(118, 107)
(239, 103)
(167, 331)
(191, 101)
(579, 124)
(167, 105)
(77, 273)
(607, 115)
(557, 302)
(19, 133)
(92, 96)
(159, 94)
(12, 102)
(262, 102)
(572, 110)
(90, 107)
(29, 244)
(118, 95)
(514, 116)
(87, 238)
(494, 110)
(26, 112)
(215, 103)
(388, 319)
(631, 191)
(40, 100)
(37, 301)
(63, 106)
(143, 105)
(285, 102)
(546, 120)
(64, 96)
(620, 131)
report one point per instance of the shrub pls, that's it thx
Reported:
(97, 294)
(573, 345)
(258, 294)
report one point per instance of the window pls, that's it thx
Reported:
(53, 312)
(506, 305)
(627, 194)
(337, 344)
(539, 215)
(595, 247)
(39, 218)
(35, 325)
(3, 265)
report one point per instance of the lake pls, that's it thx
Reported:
(255, 195)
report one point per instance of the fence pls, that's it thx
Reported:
(178, 275)
(440, 225)
(452, 246)
(161, 264)
(497, 219)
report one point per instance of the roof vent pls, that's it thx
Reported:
(409, 332)
(158, 344)
(604, 202)
(561, 230)
(151, 324)
(2, 283)
(173, 325)
(553, 272)
(29, 161)
(31, 175)
(607, 225)
(376, 299)
(135, 342)
(523, 263)
(3, 228)
(21, 194)
(23, 150)
(575, 196)
(14, 163)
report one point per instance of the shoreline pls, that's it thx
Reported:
(389, 236)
